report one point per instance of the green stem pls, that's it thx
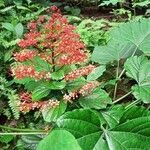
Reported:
(20, 130)
(133, 103)
(116, 85)
(124, 96)
(23, 133)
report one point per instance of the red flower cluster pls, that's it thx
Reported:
(57, 35)
(25, 55)
(52, 39)
(80, 72)
(23, 71)
(26, 103)
(86, 89)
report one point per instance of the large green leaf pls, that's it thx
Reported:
(125, 41)
(99, 99)
(59, 140)
(84, 124)
(112, 51)
(135, 32)
(91, 133)
(126, 141)
(138, 68)
(133, 113)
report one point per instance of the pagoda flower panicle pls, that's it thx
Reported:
(25, 55)
(26, 104)
(79, 72)
(24, 71)
(83, 91)
(57, 35)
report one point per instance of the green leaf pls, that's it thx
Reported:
(6, 9)
(41, 65)
(76, 84)
(126, 141)
(138, 68)
(29, 141)
(113, 116)
(93, 133)
(8, 55)
(56, 85)
(138, 125)
(135, 32)
(134, 112)
(19, 30)
(99, 99)
(51, 114)
(134, 38)
(8, 26)
(40, 92)
(6, 138)
(111, 52)
(96, 73)
(57, 75)
(59, 140)
(84, 124)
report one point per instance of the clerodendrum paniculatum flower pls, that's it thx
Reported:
(54, 41)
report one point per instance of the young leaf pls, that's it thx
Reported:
(51, 114)
(99, 99)
(40, 92)
(96, 73)
(19, 30)
(59, 140)
(41, 65)
(56, 85)
(57, 75)
(8, 26)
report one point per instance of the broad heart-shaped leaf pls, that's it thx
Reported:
(133, 113)
(125, 41)
(51, 114)
(84, 124)
(126, 141)
(59, 140)
(40, 92)
(138, 68)
(135, 32)
(88, 129)
(112, 116)
(138, 125)
(112, 51)
(96, 73)
(98, 99)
